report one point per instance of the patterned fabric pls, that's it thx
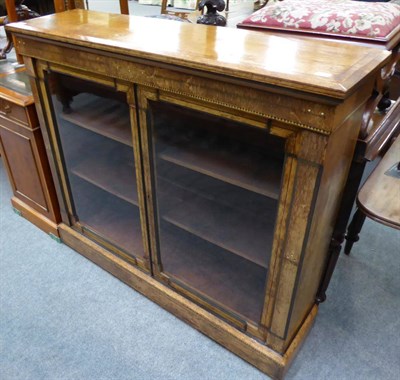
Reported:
(376, 20)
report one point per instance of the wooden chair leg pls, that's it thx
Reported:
(334, 251)
(349, 197)
(7, 48)
(354, 230)
(123, 4)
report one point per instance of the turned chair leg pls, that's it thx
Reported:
(354, 230)
(6, 49)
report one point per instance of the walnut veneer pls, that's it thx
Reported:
(225, 151)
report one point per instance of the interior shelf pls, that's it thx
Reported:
(231, 281)
(245, 171)
(117, 178)
(108, 216)
(104, 116)
(236, 231)
(218, 191)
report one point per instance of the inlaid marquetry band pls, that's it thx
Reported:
(216, 102)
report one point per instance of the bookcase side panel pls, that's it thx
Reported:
(337, 161)
(305, 153)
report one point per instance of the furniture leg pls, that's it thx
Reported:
(6, 49)
(123, 4)
(59, 5)
(354, 230)
(333, 251)
(349, 197)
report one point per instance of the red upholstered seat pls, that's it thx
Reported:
(379, 21)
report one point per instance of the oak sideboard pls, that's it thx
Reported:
(202, 166)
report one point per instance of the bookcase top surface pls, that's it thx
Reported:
(329, 68)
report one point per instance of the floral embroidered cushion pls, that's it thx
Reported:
(363, 19)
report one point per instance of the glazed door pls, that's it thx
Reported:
(215, 185)
(99, 162)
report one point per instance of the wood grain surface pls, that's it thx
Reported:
(188, 77)
(321, 67)
(379, 198)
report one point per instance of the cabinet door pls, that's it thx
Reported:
(92, 123)
(216, 184)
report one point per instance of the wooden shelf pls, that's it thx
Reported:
(108, 216)
(230, 281)
(244, 171)
(236, 231)
(104, 116)
(117, 178)
(218, 191)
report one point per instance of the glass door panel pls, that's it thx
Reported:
(217, 189)
(93, 123)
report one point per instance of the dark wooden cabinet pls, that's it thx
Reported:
(24, 154)
(207, 178)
